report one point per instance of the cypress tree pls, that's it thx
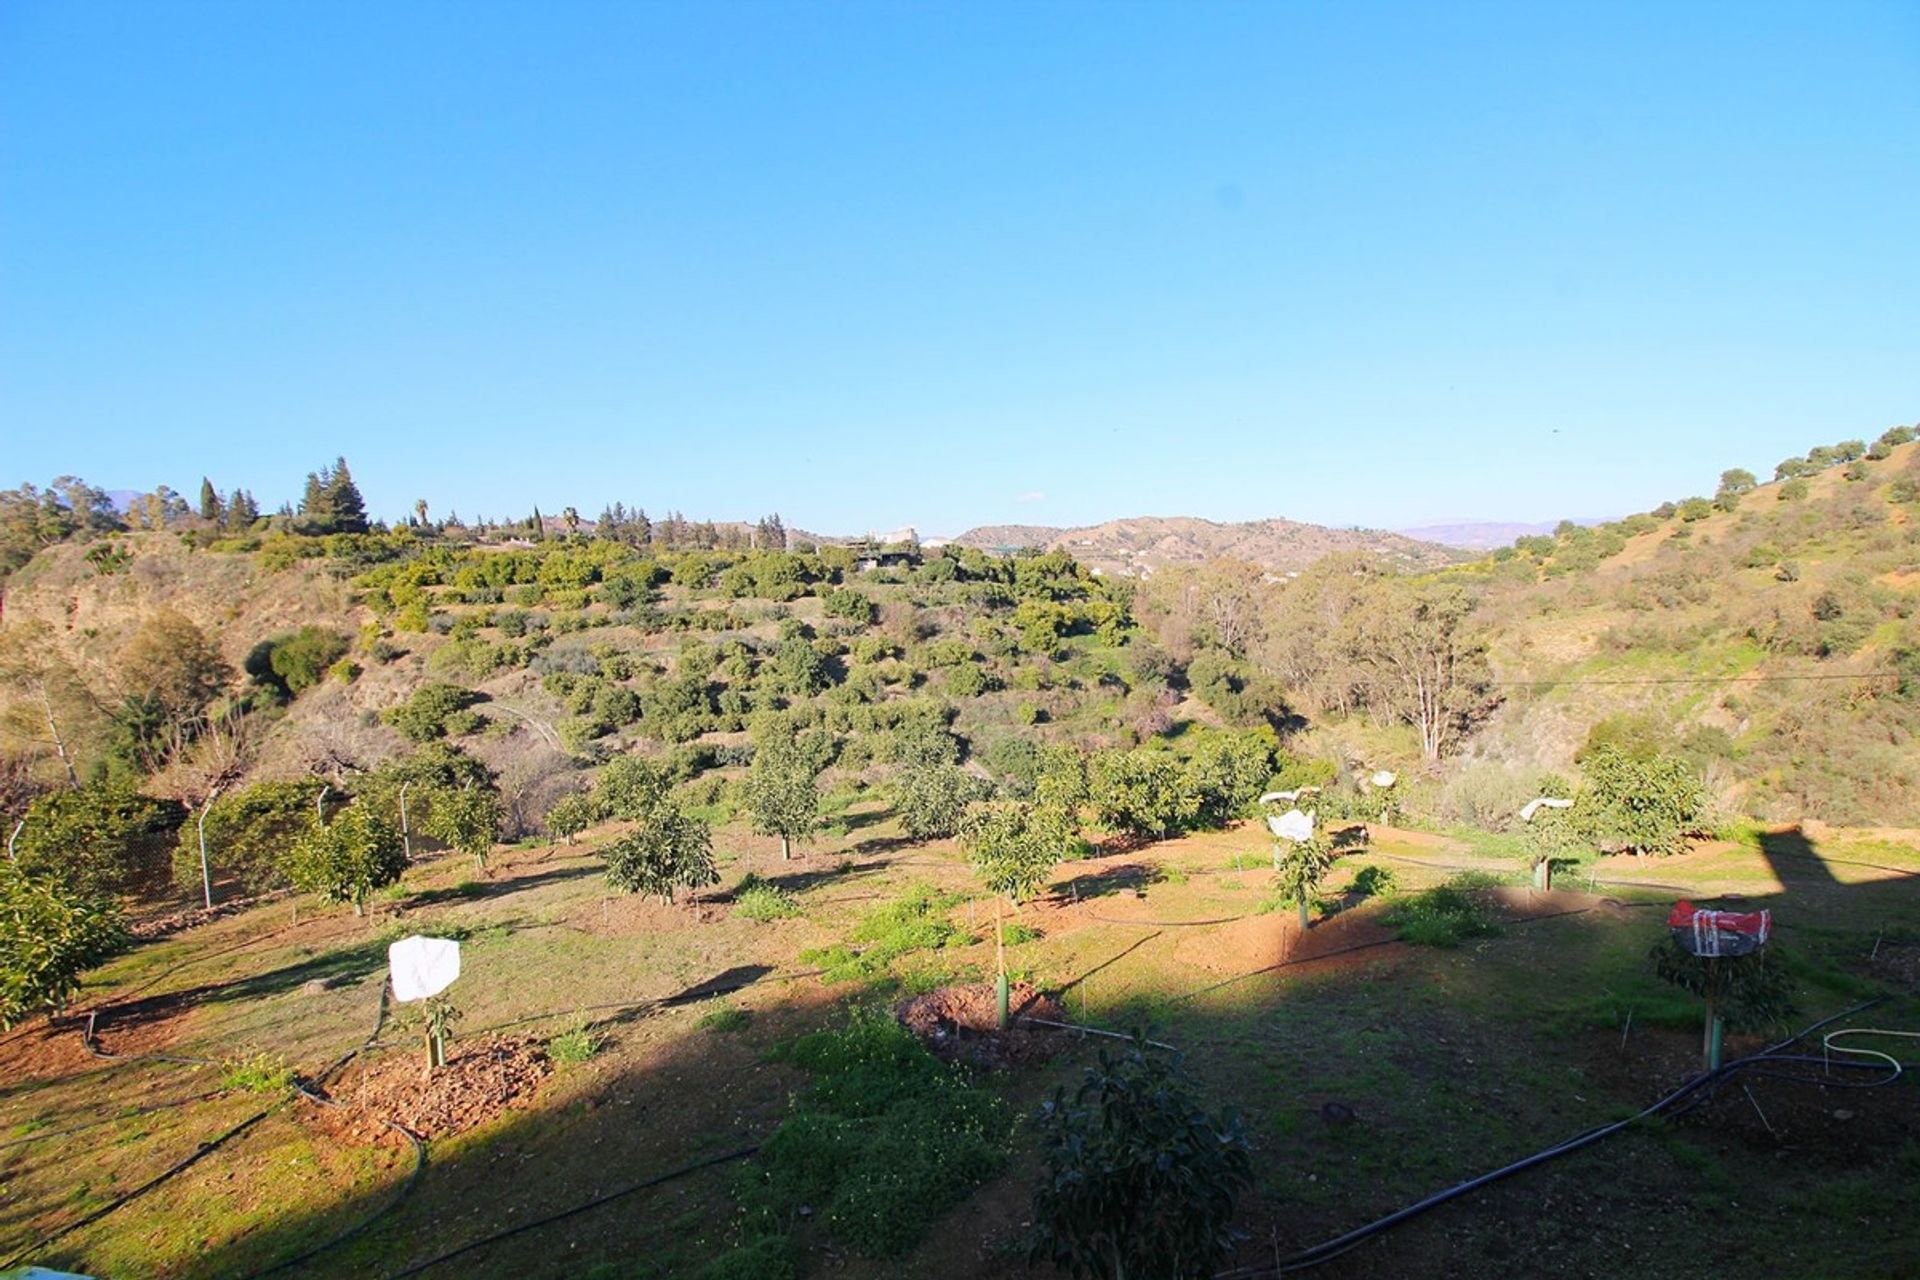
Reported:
(210, 508)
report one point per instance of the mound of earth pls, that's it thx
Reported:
(482, 1078)
(959, 1023)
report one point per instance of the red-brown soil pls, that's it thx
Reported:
(959, 1023)
(482, 1078)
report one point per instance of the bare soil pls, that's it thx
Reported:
(483, 1077)
(959, 1023)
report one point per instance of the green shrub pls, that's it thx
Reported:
(725, 1017)
(1139, 1180)
(755, 899)
(434, 711)
(578, 1043)
(1375, 881)
(1440, 917)
(261, 1073)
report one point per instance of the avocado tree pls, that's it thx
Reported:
(570, 815)
(49, 934)
(1012, 848)
(467, 820)
(782, 795)
(668, 851)
(1139, 1179)
(1639, 804)
(932, 799)
(347, 858)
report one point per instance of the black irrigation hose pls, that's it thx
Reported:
(685, 997)
(551, 1218)
(205, 1149)
(1327, 1251)
(112, 1119)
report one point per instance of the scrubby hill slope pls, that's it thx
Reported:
(1141, 544)
(1770, 638)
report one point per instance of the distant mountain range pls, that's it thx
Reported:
(1136, 546)
(1484, 535)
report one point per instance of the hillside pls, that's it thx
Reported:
(1137, 546)
(1484, 535)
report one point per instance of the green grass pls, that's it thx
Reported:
(725, 1017)
(575, 1045)
(755, 899)
(916, 921)
(1444, 916)
(261, 1073)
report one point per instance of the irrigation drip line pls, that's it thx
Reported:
(551, 1218)
(128, 1114)
(205, 1149)
(1688, 1092)
(1168, 924)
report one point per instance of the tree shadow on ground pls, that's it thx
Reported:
(1124, 877)
(476, 890)
(1433, 1089)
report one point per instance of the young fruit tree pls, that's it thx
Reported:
(1013, 848)
(1139, 1180)
(570, 815)
(49, 935)
(347, 858)
(782, 796)
(1302, 855)
(467, 820)
(669, 851)
(1639, 805)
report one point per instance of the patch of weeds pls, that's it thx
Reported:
(1229, 883)
(1375, 882)
(1444, 916)
(756, 899)
(262, 1073)
(884, 1142)
(725, 1017)
(1019, 933)
(934, 977)
(35, 1125)
(916, 921)
(1171, 875)
(578, 1043)
(1278, 900)
(767, 1258)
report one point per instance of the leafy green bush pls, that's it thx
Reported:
(49, 934)
(347, 858)
(578, 1043)
(1754, 992)
(434, 711)
(247, 832)
(1139, 1179)
(755, 899)
(296, 662)
(1440, 917)
(1373, 881)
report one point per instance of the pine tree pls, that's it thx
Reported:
(642, 528)
(313, 502)
(210, 508)
(242, 510)
(346, 512)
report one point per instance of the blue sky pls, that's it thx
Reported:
(870, 265)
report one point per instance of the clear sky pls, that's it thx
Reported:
(952, 264)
